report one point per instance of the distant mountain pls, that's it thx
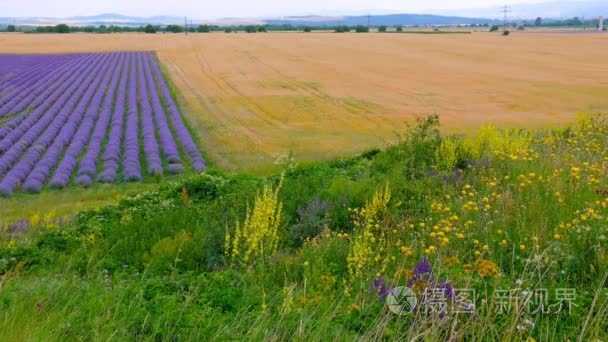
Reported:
(97, 20)
(550, 9)
(376, 20)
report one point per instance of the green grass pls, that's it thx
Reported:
(524, 215)
(65, 203)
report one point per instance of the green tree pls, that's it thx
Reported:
(251, 29)
(262, 28)
(204, 29)
(538, 21)
(149, 29)
(494, 28)
(399, 28)
(342, 28)
(11, 28)
(382, 28)
(307, 29)
(228, 29)
(361, 29)
(174, 28)
(62, 28)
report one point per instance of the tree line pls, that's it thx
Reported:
(205, 28)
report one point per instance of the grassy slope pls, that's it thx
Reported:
(59, 204)
(525, 214)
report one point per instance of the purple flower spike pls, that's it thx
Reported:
(379, 286)
(423, 267)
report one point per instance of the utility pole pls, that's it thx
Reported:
(186, 25)
(368, 20)
(506, 9)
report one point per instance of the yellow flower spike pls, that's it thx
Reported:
(522, 247)
(557, 237)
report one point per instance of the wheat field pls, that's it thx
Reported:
(254, 97)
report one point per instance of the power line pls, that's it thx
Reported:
(505, 10)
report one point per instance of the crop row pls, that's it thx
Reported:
(78, 119)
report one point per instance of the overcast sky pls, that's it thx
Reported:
(206, 9)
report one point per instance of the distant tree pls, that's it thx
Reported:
(521, 28)
(342, 29)
(307, 29)
(149, 29)
(494, 28)
(228, 29)
(262, 28)
(506, 32)
(361, 29)
(399, 28)
(62, 28)
(576, 21)
(538, 21)
(204, 29)
(251, 29)
(174, 28)
(382, 28)
(11, 28)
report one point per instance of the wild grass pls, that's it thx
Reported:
(499, 235)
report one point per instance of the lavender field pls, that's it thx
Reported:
(83, 118)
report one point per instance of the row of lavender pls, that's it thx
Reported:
(85, 118)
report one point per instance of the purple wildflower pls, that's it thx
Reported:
(379, 286)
